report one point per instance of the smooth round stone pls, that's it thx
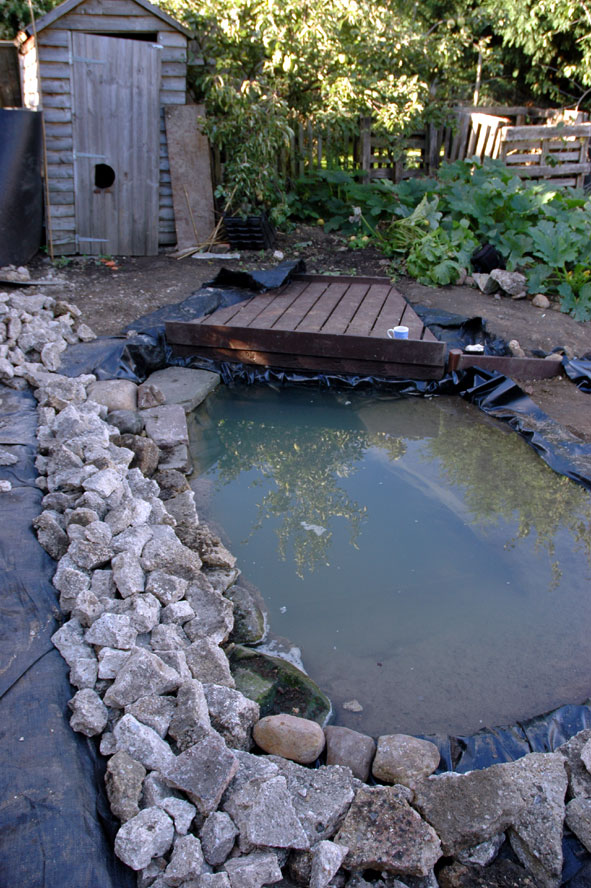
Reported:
(403, 759)
(297, 739)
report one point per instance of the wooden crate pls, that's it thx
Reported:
(556, 154)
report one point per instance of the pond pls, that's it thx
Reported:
(426, 562)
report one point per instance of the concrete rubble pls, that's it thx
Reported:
(148, 595)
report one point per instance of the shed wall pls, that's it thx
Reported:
(120, 18)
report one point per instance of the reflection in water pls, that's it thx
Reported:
(399, 543)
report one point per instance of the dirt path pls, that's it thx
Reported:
(110, 298)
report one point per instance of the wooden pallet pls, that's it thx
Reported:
(317, 323)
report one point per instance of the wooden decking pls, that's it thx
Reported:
(317, 323)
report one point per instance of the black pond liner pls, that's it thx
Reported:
(55, 825)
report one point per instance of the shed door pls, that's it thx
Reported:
(116, 141)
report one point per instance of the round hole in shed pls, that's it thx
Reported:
(104, 175)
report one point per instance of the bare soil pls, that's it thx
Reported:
(111, 297)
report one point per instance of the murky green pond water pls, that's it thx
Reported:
(426, 561)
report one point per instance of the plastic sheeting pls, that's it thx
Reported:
(21, 195)
(55, 825)
(579, 370)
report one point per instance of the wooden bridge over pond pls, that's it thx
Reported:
(318, 323)
(330, 324)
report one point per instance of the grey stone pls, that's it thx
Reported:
(219, 578)
(7, 458)
(190, 721)
(183, 510)
(250, 614)
(253, 870)
(156, 791)
(351, 749)
(208, 663)
(93, 547)
(320, 796)
(145, 452)
(123, 781)
(210, 548)
(182, 812)
(51, 354)
(500, 874)
(177, 457)
(383, 832)
(297, 739)
(167, 588)
(81, 516)
(168, 637)
(89, 713)
(51, 534)
(177, 660)
(218, 836)
(115, 394)
(214, 615)
(211, 880)
(184, 386)
(69, 640)
(485, 283)
(155, 711)
(265, 816)
(84, 673)
(403, 759)
(85, 334)
(110, 661)
(150, 834)
(87, 608)
(327, 858)
(102, 584)
(578, 819)
(186, 861)
(166, 425)
(59, 391)
(132, 540)
(142, 674)
(171, 557)
(232, 715)
(541, 301)
(143, 611)
(128, 422)
(104, 482)
(179, 612)
(142, 743)
(203, 772)
(70, 580)
(484, 853)
(112, 630)
(467, 809)
(149, 395)
(108, 744)
(151, 874)
(536, 833)
(171, 483)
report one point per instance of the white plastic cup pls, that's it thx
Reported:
(398, 333)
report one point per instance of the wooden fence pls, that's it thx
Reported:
(546, 138)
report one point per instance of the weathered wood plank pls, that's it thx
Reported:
(520, 133)
(564, 169)
(321, 310)
(279, 305)
(390, 314)
(241, 314)
(363, 321)
(171, 38)
(55, 87)
(57, 115)
(54, 54)
(516, 368)
(298, 310)
(77, 21)
(54, 71)
(53, 37)
(174, 54)
(190, 171)
(315, 363)
(57, 100)
(172, 97)
(349, 302)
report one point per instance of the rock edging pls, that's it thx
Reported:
(148, 616)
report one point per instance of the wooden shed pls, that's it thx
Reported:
(103, 71)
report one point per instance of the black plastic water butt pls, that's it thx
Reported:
(21, 190)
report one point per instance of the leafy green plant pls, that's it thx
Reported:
(441, 255)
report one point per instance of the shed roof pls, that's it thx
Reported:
(68, 5)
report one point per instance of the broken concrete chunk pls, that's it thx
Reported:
(382, 832)
(149, 834)
(203, 771)
(167, 588)
(208, 663)
(253, 870)
(123, 781)
(232, 715)
(89, 713)
(142, 674)
(327, 858)
(190, 721)
(182, 812)
(218, 835)
(155, 711)
(186, 861)
(214, 616)
(84, 673)
(70, 642)
(265, 816)
(143, 744)
(112, 630)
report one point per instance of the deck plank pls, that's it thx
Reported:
(390, 314)
(348, 305)
(321, 310)
(296, 312)
(372, 304)
(278, 305)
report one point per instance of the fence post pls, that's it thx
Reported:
(365, 133)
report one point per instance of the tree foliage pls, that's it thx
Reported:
(16, 15)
